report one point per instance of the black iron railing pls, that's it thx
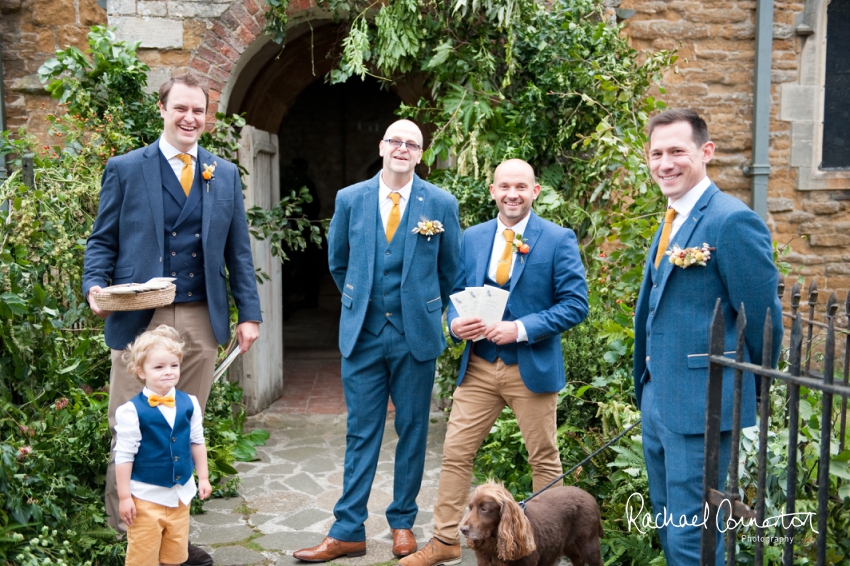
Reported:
(800, 373)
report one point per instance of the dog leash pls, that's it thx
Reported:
(577, 466)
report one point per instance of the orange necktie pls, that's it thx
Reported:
(665, 235)
(187, 175)
(503, 270)
(155, 400)
(395, 216)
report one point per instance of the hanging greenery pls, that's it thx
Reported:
(553, 83)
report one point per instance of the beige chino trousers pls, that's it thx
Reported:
(484, 392)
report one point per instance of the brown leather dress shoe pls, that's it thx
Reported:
(404, 543)
(330, 549)
(435, 553)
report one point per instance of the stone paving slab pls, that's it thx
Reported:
(286, 498)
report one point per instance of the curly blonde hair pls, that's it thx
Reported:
(163, 336)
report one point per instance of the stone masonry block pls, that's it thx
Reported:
(806, 259)
(802, 134)
(821, 208)
(780, 204)
(838, 269)
(709, 16)
(121, 7)
(157, 8)
(27, 85)
(50, 12)
(155, 33)
(156, 77)
(9, 6)
(797, 102)
(829, 240)
(187, 9)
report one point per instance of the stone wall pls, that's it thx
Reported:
(31, 31)
(170, 32)
(714, 76)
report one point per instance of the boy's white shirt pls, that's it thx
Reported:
(128, 436)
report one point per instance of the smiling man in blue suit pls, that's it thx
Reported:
(672, 320)
(395, 282)
(520, 362)
(159, 217)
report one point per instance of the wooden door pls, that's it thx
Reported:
(260, 371)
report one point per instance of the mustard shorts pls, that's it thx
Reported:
(159, 534)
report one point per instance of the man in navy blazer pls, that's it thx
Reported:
(519, 363)
(159, 217)
(393, 250)
(672, 319)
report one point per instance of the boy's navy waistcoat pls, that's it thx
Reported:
(184, 252)
(165, 454)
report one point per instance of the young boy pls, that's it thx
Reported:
(159, 434)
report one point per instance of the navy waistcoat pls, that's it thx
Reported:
(184, 251)
(489, 350)
(385, 298)
(165, 454)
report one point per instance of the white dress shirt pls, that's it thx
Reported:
(170, 152)
(685, 205)
(496, 255)
(127, 440)
(386, 205)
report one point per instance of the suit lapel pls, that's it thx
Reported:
(532, 233)
(414, 212)
(682, 237)
(205, 156)
(370, 219)
(153, 184)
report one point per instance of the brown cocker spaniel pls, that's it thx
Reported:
(561, 521)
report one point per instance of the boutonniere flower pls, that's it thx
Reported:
(519, 246)
(429, 228)
(687, 257)
(209, 173)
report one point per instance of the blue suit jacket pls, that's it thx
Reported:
(429, 265)
(675, 307)
(127, 240)
(548, 294)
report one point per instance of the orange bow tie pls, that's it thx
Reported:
(155, 400)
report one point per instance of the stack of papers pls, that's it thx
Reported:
(154, 284)
(486, 302)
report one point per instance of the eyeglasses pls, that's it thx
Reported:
(409, 145)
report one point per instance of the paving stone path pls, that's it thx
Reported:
(286, 499)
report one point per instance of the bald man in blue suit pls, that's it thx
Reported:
(519, 363)
(395, 281)
(672, 320)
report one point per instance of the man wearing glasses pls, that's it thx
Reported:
(393, 250)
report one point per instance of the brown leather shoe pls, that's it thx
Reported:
(435, 553)
(330, 549)
(404, 543)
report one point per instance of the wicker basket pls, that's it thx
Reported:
(137, 301)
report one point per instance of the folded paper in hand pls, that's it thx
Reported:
(486, 302)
